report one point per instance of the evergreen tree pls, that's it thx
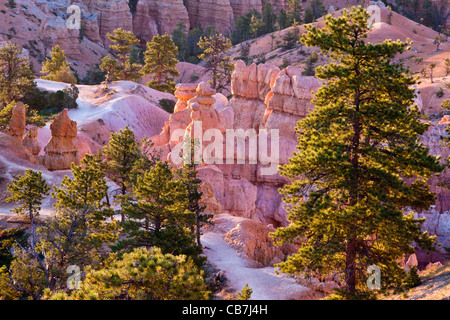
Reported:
(294, 11)
(282, 20)
(438, 39)
(31, 116)
(310, 62)
(141, 275)
(256, 26)
(189, 175)
(78, 230)
(317, 8)
(28, 191)
(432, 66)
(16, 77)
(57, 68)
(122, 45)
(268, 17)
(447, 66)
(245, 293)
(180, 39)
(215, 54)
(161, 63)
(347, 196)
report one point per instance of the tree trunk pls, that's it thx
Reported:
(350, 266)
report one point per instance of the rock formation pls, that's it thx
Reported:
(184, 92)
(60, 151)
(30, 141)
(218, 13)
(17, 123)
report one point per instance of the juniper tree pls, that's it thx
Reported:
(161, 62)
(16, 76)
(122, 46)
(348, 195)
(180, 39)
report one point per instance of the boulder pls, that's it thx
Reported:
(153, 17)
(209, 200)
(240, 198)
(31, 142)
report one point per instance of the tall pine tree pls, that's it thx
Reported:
(348, 196)
(28, 191)
(161, 62)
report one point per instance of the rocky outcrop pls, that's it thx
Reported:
(218, 13)
(60, 151)
(110, 15)
(292, 92)
(30, 141)
(17, 123)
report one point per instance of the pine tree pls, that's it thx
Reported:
(79, 229)
(57, 68)
(447, 66)
(143, 274)
(28, 190)
(432, 66)
(215, 54)
(245, 293)
(10, 238)
(122, 45)
(256, 26)
(347, 198)
(161, 62)
(268, 17)
(16, 77)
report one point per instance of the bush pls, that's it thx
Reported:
(49, 103)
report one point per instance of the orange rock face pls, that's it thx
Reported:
(60, 151)
(17, 122)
